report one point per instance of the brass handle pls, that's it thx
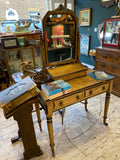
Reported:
(61, 103)
(90, 92)
(77, 97)
(104, 56)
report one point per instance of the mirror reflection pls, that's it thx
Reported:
(60, 37)
(112, 32)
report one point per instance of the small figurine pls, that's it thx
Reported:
(23, 28)
(8, 29)
(67, 42)
(27, 67)
(36, 27)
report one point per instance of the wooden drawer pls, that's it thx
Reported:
(30, 36)
(108, 57)
(99, 65)
(104, 56)
(36, 36)
(108, 60)
(68, 100)
(96, 90)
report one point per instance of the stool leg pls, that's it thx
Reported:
(38, 115)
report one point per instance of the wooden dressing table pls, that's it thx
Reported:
(82, 89)
(70, 69)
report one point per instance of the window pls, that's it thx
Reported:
(23, 10)
(11, 14)
(53, 4)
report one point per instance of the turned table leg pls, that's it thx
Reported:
(107, 100)
(50, 131)
(38, 115)
(86, 105)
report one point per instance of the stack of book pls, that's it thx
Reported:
(56, 88)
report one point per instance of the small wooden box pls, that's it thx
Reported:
(68, 71)
(17, 94)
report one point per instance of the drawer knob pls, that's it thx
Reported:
(61, 103)
(90, 92)
(104, 56)
(115, 58)
(114, 68)
(103, 65)
(77, 97)
(103, 87)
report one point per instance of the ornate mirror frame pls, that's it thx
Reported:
(107, 3)
(51, 22)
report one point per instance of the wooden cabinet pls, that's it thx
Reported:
(32, 51)
(108, 60)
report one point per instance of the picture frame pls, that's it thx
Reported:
(107, 3)
(85, 17)
(84, 40)
(9, 43)
(111, 33)
(58, 30)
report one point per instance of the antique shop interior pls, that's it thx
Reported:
(59, 80)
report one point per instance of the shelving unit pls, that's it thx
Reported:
(15, 56)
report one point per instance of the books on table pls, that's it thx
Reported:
(56, 88)
(66, 87)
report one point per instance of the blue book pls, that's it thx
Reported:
(64, 85)
(50, 88)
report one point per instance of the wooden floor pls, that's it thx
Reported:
(82, 137)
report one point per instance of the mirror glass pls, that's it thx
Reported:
(60, 37)
(111, 32)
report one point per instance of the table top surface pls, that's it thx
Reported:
(79, 84)
(76, 83)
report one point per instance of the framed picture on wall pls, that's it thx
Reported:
(84, 44)
(107, 3)
(85, 17)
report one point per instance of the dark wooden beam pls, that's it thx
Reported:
(65, 3)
